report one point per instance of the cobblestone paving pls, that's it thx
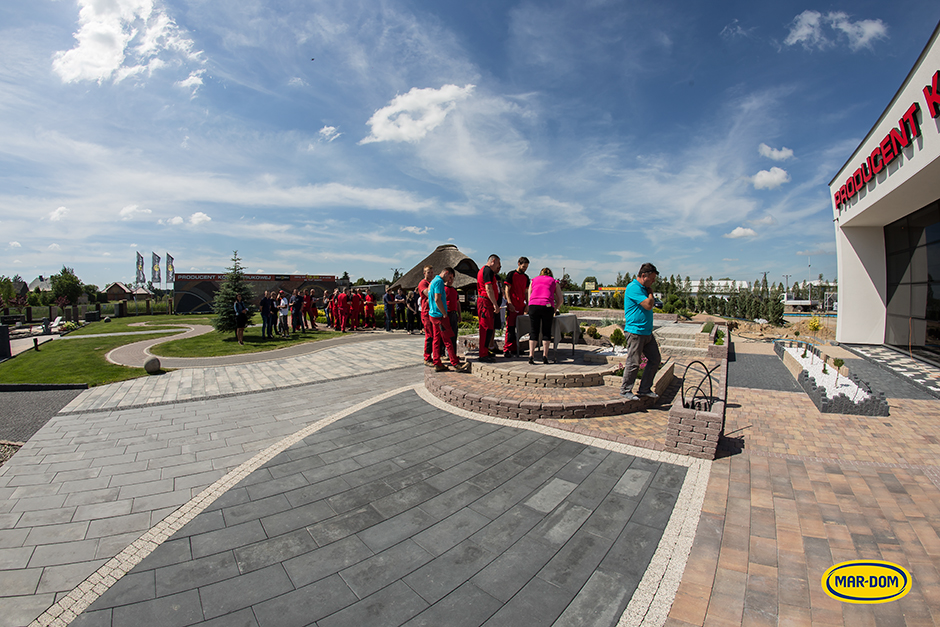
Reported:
(192, 383)
(89, 484)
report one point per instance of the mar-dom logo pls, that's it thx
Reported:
(866, 581)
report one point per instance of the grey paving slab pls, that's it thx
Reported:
(99, 497)
(511, 517)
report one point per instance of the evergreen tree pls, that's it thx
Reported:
(224, 303)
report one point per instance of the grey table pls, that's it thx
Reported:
(562, 323)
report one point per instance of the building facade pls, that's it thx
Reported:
(886, 209)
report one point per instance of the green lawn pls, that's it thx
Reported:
(82, 360)
(70, 361)
(124, 325)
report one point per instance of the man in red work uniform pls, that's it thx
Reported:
(355, 308)
(516, 290)
(488, 304)
(370, 311)
(342, 307)
(425, 316)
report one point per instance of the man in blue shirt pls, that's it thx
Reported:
(437, 311)
(638, 327)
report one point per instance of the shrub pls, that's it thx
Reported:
(813, 324)
(838, 363)
(617, 338)
(708, 327)
(592, 332)
(719, 336)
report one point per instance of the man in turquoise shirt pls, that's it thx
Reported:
(442, 333)
(638, 327)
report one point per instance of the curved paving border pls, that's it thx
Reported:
(649, 605)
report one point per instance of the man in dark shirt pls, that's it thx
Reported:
(488, 304)
(267, 317)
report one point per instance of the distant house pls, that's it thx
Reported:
(43, 283)
(119, 291)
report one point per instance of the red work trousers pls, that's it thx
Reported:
(442, 337)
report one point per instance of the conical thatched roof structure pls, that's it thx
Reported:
(443, 256)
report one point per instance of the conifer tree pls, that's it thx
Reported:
(224, 302)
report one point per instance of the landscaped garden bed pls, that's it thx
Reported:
(828, 383)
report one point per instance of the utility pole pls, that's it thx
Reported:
(786, 289)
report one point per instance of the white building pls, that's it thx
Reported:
(887, 219)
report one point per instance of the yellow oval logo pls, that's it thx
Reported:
(866, 581)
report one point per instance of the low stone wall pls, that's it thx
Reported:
(524, 410)
(661, 381)
(503, 376)
(694, 432)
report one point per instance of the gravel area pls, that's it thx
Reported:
(24, 413)
(6, 452)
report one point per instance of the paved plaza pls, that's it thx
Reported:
(329, 488)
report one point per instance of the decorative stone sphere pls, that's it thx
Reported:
(152, 365)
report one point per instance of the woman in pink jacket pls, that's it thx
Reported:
(544, 298)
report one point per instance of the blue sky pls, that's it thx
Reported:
(588, 136)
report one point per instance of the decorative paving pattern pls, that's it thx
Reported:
(409, 514)
(924, 375)
(333, 363)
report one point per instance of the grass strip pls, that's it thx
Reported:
(70, 361)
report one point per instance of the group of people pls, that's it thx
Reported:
(439, 306)
(349, 309)
(540, 299)
(296, 311)
(436, 303)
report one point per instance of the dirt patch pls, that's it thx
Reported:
(7, 451)
(790, 331)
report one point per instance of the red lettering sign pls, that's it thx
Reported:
(932, 94)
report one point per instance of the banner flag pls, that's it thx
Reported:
(170, 272)
(140, 269)
(155, 269)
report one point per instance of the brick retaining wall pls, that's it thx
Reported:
(693, 432)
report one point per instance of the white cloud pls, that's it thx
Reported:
(329, 133)
(117, 39)
(809, 29)
(740, 232)
(15, 245)
(131, 211)
(417, 230)
(409, 117)
(296, 81)
(734, 30)
(58, 214)
(199, 218)
(814, 253)
(194, 80)
(775, 154)
(729, 259)
(54, 247)
(767, 220)
(770, 179)
(171, 221)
